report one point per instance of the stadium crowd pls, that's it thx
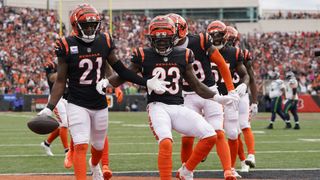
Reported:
(292, 15)
(28, 37)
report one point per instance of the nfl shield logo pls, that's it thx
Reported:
(165, 59)
(89, 50)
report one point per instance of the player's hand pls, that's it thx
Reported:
(157, 85)
(225, 100)
(235, 103)
(254, 109)
(241, 89)
(119, 94)
(101, 85)
(45, 112)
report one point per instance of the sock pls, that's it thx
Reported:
(241, 154)
(233, 144)
(186, 148)
(53, 136)
(71, 145)
(95, 156)
(223, 150)
(79, 161)
(201, 151)
(249, 139)
(105, 154)
(165, 159)
(64, 137)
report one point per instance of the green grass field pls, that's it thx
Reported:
(133, 147)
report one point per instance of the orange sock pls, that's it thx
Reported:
(105, 154)
(79, 161)
(165, 159)
(223, 150)
(233, 145)
(64, 137)
(249, 139)
(95, 156)
(241, 154)
(53, 136)
(201, 151)
(71, 145)
(186, 148)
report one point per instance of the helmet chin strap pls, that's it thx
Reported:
(88, 39)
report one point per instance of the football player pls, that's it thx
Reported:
(82, 59)
(234, 57)
(60, 112)
(166, 110)
(233, 39)
(277, 89)
(291, 99)
(205, 53)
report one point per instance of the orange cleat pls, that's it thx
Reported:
(68, 159)
(107, 173)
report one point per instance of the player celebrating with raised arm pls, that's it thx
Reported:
(166, 110)
(233, 56)
(82, 59)
(205, 53)
(233, 39)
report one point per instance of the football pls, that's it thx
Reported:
(43, 124)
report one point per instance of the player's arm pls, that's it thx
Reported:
(242, 71)
(293, 85)
(60, 83)
(252, 82)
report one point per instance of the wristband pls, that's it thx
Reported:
(51, 106)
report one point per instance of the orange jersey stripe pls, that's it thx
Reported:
(187, 55)
(202, 41)
(237, 54)
(65, 43)
(142, 53)
(108, 39)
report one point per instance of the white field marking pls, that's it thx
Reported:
(136, 125)
(153, 171)
(310, 140)
(258, 132)
(150, 154)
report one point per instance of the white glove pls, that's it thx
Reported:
(157, 85)
(103, 83)
(235, 103)
(241, 89)
(254, 109)
(45, 112)
(224, 100)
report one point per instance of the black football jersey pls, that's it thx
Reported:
(50, 68)
(232, 56)
(202, 65)
(171, 68)
(86, 67)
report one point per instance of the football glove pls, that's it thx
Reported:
(224, 100)
(101, 85)
(157, 85)
(254, 109)
(45, 112)
(235, 103)
(119, 94)
(241, 89)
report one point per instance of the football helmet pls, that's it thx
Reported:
(85, 21)
(217, 31)
(232, 36)
(181, 25)
(162, 33)
(290, 75)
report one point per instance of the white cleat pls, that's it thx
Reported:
(184, 173)
(96, 171)
(244, 167)
(47, 149)
(251, 161)
(235, 173)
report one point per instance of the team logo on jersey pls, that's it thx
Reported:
(165, 59)
(74, 49)
(89, 50)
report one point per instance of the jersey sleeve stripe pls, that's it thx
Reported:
(201, 41)
(237, 53)
(108, 39)
(65, 43)
(142, 53)
(187, 55)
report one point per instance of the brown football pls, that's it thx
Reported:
(43, 124)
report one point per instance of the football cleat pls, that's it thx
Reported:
(297, 126)
(107, 173)
(47, 149)
(228, 175)
(288, 125)
(184, 174)
(96, 171)
(68, 159)
(270, 126)
(244, 167)
(235, 173)
(251, 161)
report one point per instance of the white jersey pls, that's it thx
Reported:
(275, 89)
(290, 85)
